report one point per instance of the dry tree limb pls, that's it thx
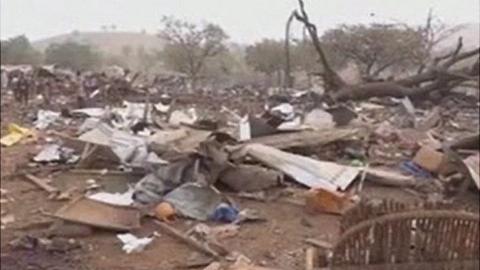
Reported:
(437, 76)
(288, 76)
(434, 78)
(332, 80)
(450, 54)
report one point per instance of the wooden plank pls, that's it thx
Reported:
(42, 183)
(98, 214)
(319, 243)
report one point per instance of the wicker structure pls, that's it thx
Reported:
(418, 239)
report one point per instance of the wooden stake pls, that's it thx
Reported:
(310, 258)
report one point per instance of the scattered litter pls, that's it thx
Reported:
(213, 266)
(319, 119)
(389, 177)
(323, 201)
(124, 199)
(152, 187)
(197, 259)
(411, 168)
(214, 233)
(307, 171)
(99, 214)
(473, 164)
(249, 178)
(130, 149)
(89, 124)
(249, 215)
(15, 134)
(133, 244)
(408, 105)
(224, 213)
(189, 159)
(45, 119)
(56, 153)
(183, 117)
(89, 112)
(42, 183)
(101, 135)
(430, 120)
(244, 129)
(305, 139)
(7, 219)
(188, 240)
(194, 201)
(165, 212)
(92, 184)
(284, 110)
(431, 160)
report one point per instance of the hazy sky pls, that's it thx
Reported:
(244, 20)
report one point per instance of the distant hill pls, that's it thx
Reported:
(108, 42)
(113, 42)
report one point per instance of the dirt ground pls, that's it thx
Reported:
(277, 242)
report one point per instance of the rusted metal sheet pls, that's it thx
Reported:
(102, 215)
(304, 138)
(307, 171)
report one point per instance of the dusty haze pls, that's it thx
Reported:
(245, 21)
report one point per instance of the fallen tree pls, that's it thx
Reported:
(442, 74)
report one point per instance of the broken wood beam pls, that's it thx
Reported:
(42, 183)
(390, 178)
(319, 243)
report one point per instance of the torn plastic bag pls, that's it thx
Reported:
(56, 153)
(194, 200)
(45, 118)
(152, 188)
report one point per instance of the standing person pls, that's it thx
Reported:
(48, 84)
(13, 84)
(22, 89)
(77, 86)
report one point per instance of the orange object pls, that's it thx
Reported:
(323, 201)
(432, 160)
(165, 212)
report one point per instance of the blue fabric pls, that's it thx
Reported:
(224, 213)
(413, 169)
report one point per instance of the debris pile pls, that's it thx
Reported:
(171, 162)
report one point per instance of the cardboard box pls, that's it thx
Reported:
(431, 160)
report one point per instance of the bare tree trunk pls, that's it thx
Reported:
(192, 83)
(288, 77)
(435, 77)
(333, 81)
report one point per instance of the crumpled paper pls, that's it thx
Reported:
(133, 244)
